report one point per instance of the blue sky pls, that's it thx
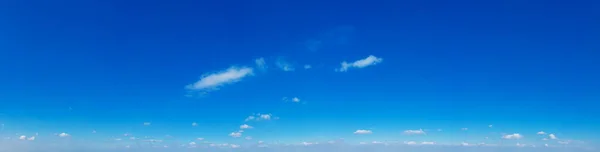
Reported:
(100, 75)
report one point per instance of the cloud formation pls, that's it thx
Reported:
(513, 136)
(215, 80)
(260, 63)
(414, 132)
(369, 61)
(284, 65)
(362, 132)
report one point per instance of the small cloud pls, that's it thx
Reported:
(63, 135)
(194, 124)
(192, 143)
(118, 139)
(260, 117)
(552, 136)
(363, 132)
(370, 60)
(147, 123)
(235, 134)
(541, 133)
(245, 126)
(513, 136)
(490, 126)
(284, 65)
(295, 99)
(199, 138)
(464, 144)
(307, 66)
(410, 142)
(307, 143)
(32, 138)
(464, 129)
(248, 138)
(427, 143)
(414, 132)
(235, 146)
(520, 145)
(260, 63)
(215, 80)
(261, 142)
(22, 137)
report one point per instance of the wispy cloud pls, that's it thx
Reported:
(235, 134)
(260, 63)
(369, 61)
(213, 81)
(284, 65)
(414, 132)
(63, 135)
(541, 133)
(260, 117)
(245, 126)
(307, 66)
(363, 132)
(513, 136)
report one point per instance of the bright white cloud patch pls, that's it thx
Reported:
(363, 132)
(370, 60)
(260, 63)
(215, 80)
(235, 134)
(295, 99)
(245, 126)
(427, 143)
(541, 133)
(552, 136)
(513, 136)
(410, 142)
(414, 132)
(32, 138)
(22, 137)
(63, 135)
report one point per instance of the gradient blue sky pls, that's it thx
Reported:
(110, 66)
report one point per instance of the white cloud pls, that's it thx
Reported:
(552, 136)
(513, 136)
(215, 80)
(410, 142)
(541, 133)
(235, 134)
(260, 117)
(245, 126)
(22, 137)
(414, 132)
(295, 99)
(63, 135)
(194, 124)
(307, 143)
(260, 63)
(284, 65)
(428, 143)
(362, 132)
(32, 138)
(307, 66)
(235, 146)
(464, 144)
(192, 143)
(370, 60)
